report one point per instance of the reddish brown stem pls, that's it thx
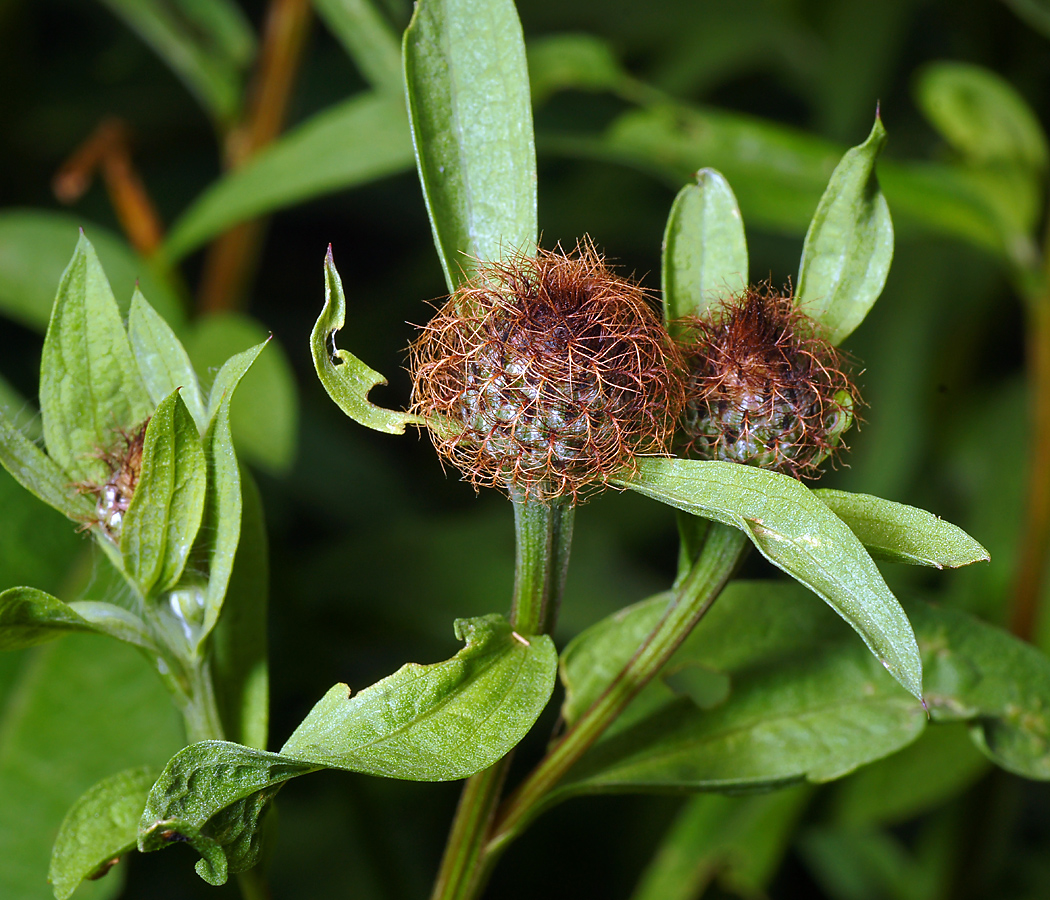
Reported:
(108, 149)
(232, 258)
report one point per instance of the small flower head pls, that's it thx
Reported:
(764, 387)
(124, 460)
(552, 373)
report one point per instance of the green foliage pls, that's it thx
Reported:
(424, 723)
(471, 115)
(705, 251)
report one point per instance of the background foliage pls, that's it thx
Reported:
(375, 550)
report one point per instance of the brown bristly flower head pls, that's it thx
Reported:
(552, 373)
(764, 388)
(124, 460)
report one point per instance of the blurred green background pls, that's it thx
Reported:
(375, 550)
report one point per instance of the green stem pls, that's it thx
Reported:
(721, 553)
(544, 537)
(200, 710)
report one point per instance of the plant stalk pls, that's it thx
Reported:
(544, 537)
(721, 554)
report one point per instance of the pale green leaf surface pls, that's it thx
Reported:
(89, 383)
(437, 722)
(35, 247)
(197, 56)
(356, 141)
(264, 414)
(849, 245)
(426, 723)
(981, 115)
(704, 259)
(901, 533)
(347, 380)
(159, 528)
(29, 617)
(471, 117)
(801, 536)
(59, 735)
(368, 39)
(238, 643)
(39, 474)
(117, 622)
(99, 828)
(163, 362)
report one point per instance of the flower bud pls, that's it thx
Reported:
(763, 387)
(551, 372)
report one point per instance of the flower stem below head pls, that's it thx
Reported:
(544, 536)
(722, 552)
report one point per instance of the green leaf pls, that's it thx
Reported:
(238, 643)
(158, 530)
(923, 777)
(347, 379)
(705, 251)
(162, 360)
(797, 533)
(29, 617)
(35, 247)
(579, 62)
(779, 173)
(197, 785)
(849, 245)
(423, 723)
(39, 474)
(1035, 12)
(984, 675)
(369, 40)
(902, 533)
(781, 714)
(89, 383)
(264, 415)
(738, 840)
(981, 115)
(99, 829)
(438, 722)
(81, 709)
(471, 117)
(207, 59)
(219, 537)
(354, 142)
(117, 622)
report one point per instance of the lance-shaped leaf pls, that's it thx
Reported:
(218, 538)
(39, 474)
(344, 376)
(799, 534)
(89, 383)
(900, 533)
(776, 719)
(369, 40)
(705, 251)
(99, 829)
(848, 248)
(159, 528)
(423, 723)
(471, 117)
(162, 360)
(29, 617)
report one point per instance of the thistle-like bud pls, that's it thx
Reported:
(552, 373)
(124, 461)
(764, 388)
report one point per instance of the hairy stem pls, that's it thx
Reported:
(721, 554)
(544, 537)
